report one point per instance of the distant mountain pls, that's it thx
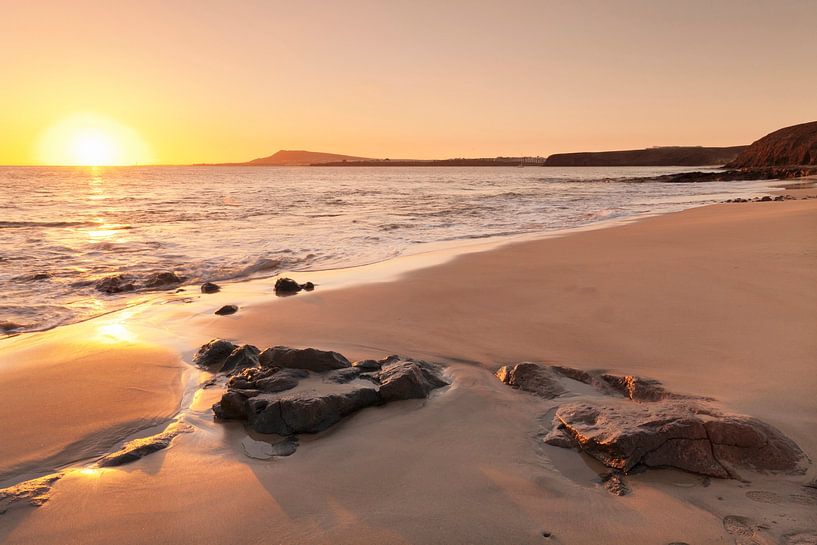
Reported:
(301, 157)
(791, 146)
(686, 156)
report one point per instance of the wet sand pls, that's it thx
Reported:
(717, 301)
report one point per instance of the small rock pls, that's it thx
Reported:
(213, 353)
(765, 198)
(614, 483)
(342, 376)
(409, 379)
(637, 388)
(209, 287)
(367, 365)
(226, 310)
(310, 359)
(531, 377)
(245, 355)
(286, 286)
(162, 279)
(308, 286)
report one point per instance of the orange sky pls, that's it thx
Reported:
(228, 81)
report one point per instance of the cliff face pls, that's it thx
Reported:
(791, 146)
(652, 157)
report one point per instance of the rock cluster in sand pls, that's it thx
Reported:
(634, 421)
(263, 386)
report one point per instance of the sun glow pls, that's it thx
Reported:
(91, 140)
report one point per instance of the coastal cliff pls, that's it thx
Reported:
(651, 157)
(790, 146)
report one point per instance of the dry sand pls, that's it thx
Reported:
(718, 301)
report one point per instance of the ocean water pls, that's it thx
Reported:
(64, 229)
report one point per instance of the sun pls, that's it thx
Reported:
(92, 140)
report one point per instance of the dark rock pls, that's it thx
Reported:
(308, 286)
(245, 355)
(116, 284)
(254, 391)
(306, 412)
(311, 359)
(163, 279)
(533, 378)
(213, 353)
(226, 310)
(367, 365)
(343, 376)
(139, 448)
(286, 379)
(286, 286)
(409, 379)
(765, 198)
(683, 435)
(233, 405)
(209, 287)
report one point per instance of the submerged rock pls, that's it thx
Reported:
(116, 284)
(209, 287)
(213, 353)
(163, 279)
(311, 359)
(226, 310)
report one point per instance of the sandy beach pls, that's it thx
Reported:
(717, 301)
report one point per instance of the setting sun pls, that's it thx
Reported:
(91, 140)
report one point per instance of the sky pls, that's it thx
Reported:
(216, 81)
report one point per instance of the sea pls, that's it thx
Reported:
(64, 229)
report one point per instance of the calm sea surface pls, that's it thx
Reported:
(64, 229)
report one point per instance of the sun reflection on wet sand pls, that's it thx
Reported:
(116, 331)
